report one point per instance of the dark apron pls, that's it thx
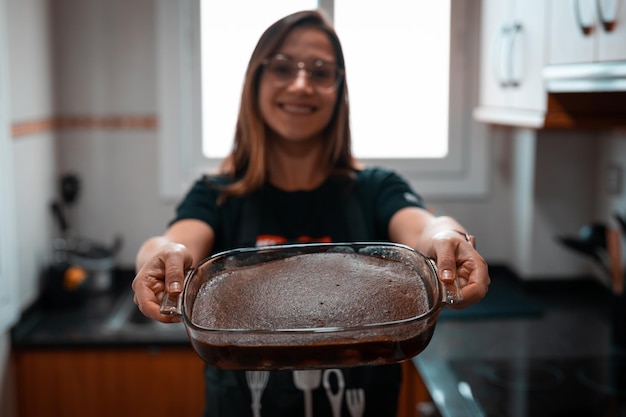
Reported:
(228, 393)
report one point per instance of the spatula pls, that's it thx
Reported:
(307, 381)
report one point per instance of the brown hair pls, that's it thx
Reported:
(247, 162)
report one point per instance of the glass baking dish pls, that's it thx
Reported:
(312, 305)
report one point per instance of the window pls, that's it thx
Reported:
(423, 51)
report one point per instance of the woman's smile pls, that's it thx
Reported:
(297, 108)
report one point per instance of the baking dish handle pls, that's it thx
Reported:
(451, 291)
(172, 304)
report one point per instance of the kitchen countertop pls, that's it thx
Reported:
(575, 322)
(93, 323)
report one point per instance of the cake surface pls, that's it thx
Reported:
(311, 291)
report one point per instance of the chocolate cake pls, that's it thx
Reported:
(311, 310)
(306, 291)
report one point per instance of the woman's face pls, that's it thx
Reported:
(298, 110)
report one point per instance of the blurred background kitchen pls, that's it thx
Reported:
(107, 93)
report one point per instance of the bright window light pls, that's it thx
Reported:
(230, 31)
(397, 62)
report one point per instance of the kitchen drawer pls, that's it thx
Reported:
(137, 382)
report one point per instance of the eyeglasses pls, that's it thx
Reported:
(281, 70)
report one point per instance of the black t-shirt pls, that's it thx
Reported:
(339, 210)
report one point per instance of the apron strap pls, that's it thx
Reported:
(249, 222)
(360, 228)
(358, 217)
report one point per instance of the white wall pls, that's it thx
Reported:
(31, 100)
(106, 56)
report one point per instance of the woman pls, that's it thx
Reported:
(291, 177)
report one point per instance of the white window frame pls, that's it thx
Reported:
(462, 173)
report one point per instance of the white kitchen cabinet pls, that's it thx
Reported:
(513, 54)
(587, 31)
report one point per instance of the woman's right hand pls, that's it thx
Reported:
(164, 269)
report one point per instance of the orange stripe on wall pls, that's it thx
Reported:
(32, 127)
(107, 122)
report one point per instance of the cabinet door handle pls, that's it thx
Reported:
(502, 57)
(515, 79)
(584, 20)
(607, 11)
(504, 70)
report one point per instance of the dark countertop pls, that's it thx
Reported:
(94, 322)
(576, 321)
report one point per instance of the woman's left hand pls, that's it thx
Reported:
(457, 258)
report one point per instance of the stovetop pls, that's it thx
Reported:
(572, 387)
